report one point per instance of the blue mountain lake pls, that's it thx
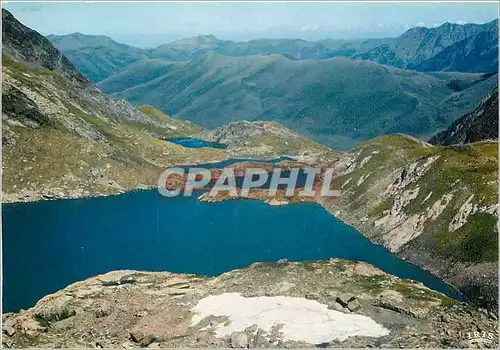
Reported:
(50, 244)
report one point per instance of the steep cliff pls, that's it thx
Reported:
(435, 206)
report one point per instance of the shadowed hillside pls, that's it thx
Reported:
(337, 101)
(478, 125)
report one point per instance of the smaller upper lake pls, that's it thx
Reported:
(191, 142)
(231, 161)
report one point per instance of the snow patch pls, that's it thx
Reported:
(302, 319)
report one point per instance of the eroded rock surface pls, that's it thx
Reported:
(434, 206)
(160, 309)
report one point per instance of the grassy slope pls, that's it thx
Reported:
(179, 128)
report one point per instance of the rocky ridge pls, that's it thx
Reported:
(435, 206)
(478, 125)
(245, 138)
(127, 309)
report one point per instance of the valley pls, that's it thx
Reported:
(311, 87)
(319, 99)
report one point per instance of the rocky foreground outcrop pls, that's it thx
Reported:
(435, 206)
(332, 303)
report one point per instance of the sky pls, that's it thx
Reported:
(151, 24)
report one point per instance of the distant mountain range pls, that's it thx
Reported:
(433, 49)
(325, 89)
(96, 56)
(449, 47)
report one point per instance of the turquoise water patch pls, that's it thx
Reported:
(190, 142)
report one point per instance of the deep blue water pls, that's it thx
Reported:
(191, 142)
(50, 244)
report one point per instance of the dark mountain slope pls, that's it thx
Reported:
(478, 125)
(97, 57)
(337, 101)
(421, 44)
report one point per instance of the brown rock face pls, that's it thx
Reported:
(155, 309)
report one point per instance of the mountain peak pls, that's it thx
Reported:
(207, 38)
(199, 40)
(25, 45)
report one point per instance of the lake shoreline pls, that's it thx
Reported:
(49, 194)
(31, 196)
(346, 218)
(200, 198)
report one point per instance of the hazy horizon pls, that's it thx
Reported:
(160, 23)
